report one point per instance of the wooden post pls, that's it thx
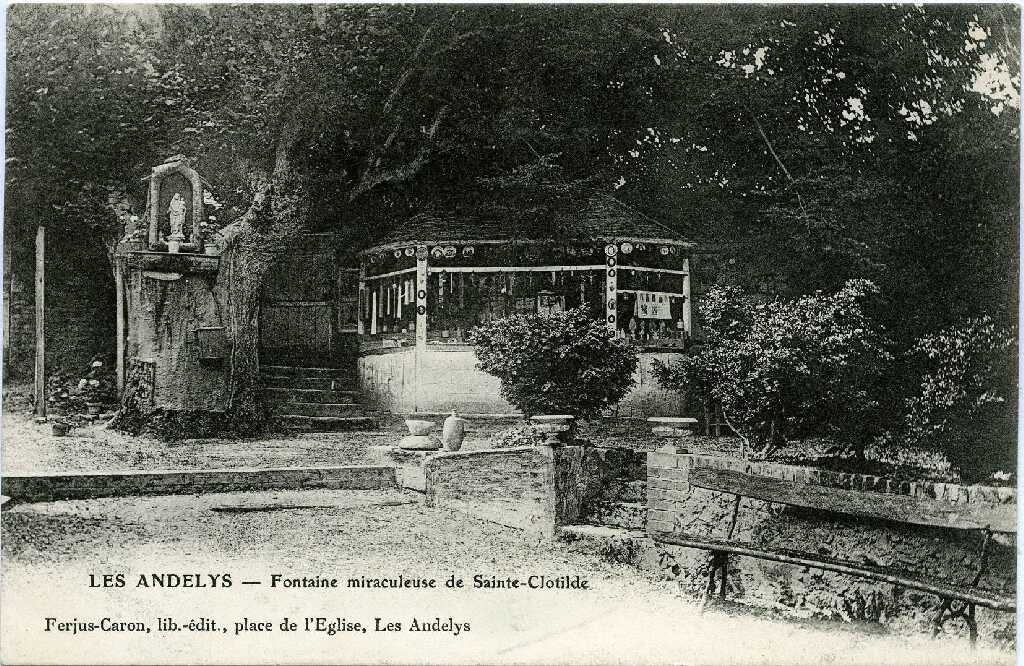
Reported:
(421, 321)
(119, 294)
(361, 301)
(421, 298)
(611, 252)
(40, 372)
(687, 306)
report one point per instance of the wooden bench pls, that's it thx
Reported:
(957, 600)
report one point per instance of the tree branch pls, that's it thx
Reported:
(373, 177)
(778, 160)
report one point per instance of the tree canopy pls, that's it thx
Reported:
(811, 144)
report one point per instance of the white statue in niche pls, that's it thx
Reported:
(176, 209)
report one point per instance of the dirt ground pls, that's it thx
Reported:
(53, 552)
(31, 448)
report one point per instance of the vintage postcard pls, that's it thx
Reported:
(510, 334)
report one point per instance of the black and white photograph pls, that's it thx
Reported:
(512, 333)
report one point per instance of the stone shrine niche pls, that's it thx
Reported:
(175, 207)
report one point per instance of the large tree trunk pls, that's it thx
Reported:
(253, 243)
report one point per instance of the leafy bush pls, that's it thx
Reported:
(784, 370)
(563, 363)
(68, 392)
(966, 406)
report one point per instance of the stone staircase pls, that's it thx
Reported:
(615, 525)
(316, 399)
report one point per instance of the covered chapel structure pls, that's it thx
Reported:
(397, 313)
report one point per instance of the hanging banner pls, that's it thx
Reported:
(652, 305)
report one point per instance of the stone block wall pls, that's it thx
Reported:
(675, 506)
(530, 488)
(513, 487)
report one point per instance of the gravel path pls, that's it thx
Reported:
(50, 550)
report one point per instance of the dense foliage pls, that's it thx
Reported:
(786, 369)
(565, 363)
(813, 144)
(966, 405)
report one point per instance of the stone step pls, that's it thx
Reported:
(323, 383)
(613, 544)
(327, 423)
(319, 409)
(296, 371)
(288, 395)
(627, 515)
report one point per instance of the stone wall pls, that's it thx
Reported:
(170, 297)
(530, 488)
(675, 506)
(405, 380)
(513, 487)
(80, 316)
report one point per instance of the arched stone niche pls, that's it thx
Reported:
(175, 177)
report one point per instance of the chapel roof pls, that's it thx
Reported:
(601, 217)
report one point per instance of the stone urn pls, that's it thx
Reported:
(419, 438)
(556, 429)
(453, 432)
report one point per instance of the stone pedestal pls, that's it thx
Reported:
(556, 429)
(419, 443)
(419, 438)
(672, 427)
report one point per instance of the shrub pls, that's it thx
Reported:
(966, 405)
(68, 392)
(562, 363)
(784, 370)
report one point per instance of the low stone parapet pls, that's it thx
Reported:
(513, 487)
(52, 487)
(676, 506)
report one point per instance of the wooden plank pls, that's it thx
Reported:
(513, 269)
(884, 506)
(40, 368)
(645, 269)
(940, 588)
